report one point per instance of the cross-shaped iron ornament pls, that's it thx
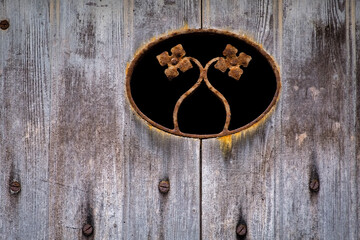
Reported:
(177, 60)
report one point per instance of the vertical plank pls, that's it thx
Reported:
(237, 170)
(150, 155)
(355, 56)
(85, 172)
(318, 74)
(24, 119)
(106, 162)
(264, 176)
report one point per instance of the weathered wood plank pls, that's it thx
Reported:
(355, 57)
(234, 170)
(85, 172)
(151, 155)
(105, 162)
(316, 51)
(24, 119)
(254, 19)
(264, 176)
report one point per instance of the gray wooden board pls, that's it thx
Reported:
(68, 134)
(106, 163)
(85, 172)
(81, 154)
(24, 119)
(355, 63)
(150, 155)
(264, 176)
(235, 170)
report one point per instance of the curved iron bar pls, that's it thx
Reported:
(219, 95)
(227, 63)
(187, 93)
(202, 77)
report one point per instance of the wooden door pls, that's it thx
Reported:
(83, 156)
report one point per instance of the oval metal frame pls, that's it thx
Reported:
(257, 46)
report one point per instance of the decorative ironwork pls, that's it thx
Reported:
(251, 99)
(178, 61)
(175, 61)
(233, 62)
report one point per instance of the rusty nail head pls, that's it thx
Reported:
(233, 62)
(87, 230)
(314, 185)
(174, 61)
(15, 187)
(241, 230)
(164, 186)
(4, 24)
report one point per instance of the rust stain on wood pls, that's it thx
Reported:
(58, 13)
(226, 144)
(51, 11)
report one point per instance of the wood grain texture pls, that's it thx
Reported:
(236, 171)
(263, 175)
(106, 163)
(85, 172)
(255, 19)
(82, 155)
(24, 119)
(151, 155)
(355, 56)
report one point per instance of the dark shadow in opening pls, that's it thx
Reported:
(202, 112)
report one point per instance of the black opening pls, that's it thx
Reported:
(202, 112)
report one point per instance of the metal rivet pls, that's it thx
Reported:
(4, 24)
(164, 186)
(233, 62)
(174, 61)
(15, 187)
(314, 185)
(241, 230)
(87, 230)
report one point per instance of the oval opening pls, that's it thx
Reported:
(202, 83)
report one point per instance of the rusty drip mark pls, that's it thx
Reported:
(178, 61)
(4, 24)
(15, 187)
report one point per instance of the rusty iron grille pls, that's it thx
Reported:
(258, 90)
(178, 61)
